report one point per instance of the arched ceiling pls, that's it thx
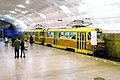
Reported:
(57, 13)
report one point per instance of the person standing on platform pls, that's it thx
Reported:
(13, 40)
(22, 48)
(6, 41)
(17, 46)
(31, 40)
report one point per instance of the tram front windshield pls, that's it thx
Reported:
(99, 36)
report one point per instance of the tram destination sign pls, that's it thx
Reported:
(93, 37)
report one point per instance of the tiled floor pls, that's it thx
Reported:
(46, 63)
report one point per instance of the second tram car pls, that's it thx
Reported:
(38, 35)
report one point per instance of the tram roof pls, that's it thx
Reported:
(76, 29)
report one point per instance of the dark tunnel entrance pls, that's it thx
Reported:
(9, 30)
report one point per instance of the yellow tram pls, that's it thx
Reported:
(77, 39)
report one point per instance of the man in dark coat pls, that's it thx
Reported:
(22, 48)
(13, 40)
(31, 40)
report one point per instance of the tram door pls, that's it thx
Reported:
(81, 44)
(55, 38)
(28, 36)
(36, 37)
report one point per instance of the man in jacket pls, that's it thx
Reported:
(17, 46)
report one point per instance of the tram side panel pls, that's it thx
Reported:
(39, 36)
(49, 38)
(66, 40)
(67, 43)
(25, 36)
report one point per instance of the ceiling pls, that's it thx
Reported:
(58, 13)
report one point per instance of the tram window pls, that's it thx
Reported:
(25, 33)
(66, 35)
(99, 36)
(36, 33)
(31, 33)
(89, 36)
(61, 34)
(28, 33)
(72, 35)
(41, 34)
(50, 34)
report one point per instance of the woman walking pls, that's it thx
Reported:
(6, 41)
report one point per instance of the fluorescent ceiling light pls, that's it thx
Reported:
(24, 12)
(15, 23)
(21, 6)
(12, 12)
(29, 19)
(2, 19)
(65, 9)
(27, 2)
(16, 9)
(42, 15)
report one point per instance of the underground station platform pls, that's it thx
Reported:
(47, 63)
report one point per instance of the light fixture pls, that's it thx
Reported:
(29, 19)
(16, 9)
(42, 15)
(65, 9)
(27, 2)
(59, 19)
(12, 12)
(21, 6)
(24, 12)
